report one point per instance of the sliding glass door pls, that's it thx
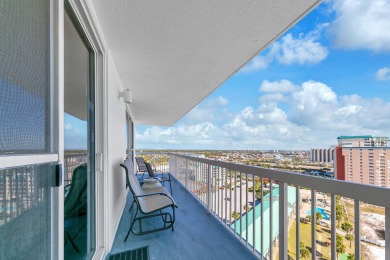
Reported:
(29, 170)
(79, 143)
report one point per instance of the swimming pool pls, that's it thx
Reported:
(322, 211)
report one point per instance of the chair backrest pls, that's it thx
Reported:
(131, 180)
(75, 203)
(141, 164)
(150, 170)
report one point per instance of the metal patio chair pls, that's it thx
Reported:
(141, 165)
(75, 205)
(149, 203)
(162, 177)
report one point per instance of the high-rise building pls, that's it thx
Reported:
(362, 141)
(322, 155)
(363, 159)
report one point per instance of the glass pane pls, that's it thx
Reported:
(129, 136)
(24, 77)
(79, 144)
(25, 212)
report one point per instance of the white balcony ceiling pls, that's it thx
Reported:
(172, 54)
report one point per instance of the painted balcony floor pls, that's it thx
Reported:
(197, 234)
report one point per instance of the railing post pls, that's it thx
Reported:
(333, 227)
(169, 164)
(387, 233)
(175, 165)
(298, 220)
(271, 210)
(66, 168)
(283, 220)
(208, 187)
(357, 229)
(186, 175)
(313, 225)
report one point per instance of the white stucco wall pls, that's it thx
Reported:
(115, 186)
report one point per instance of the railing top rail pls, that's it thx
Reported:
(75, 155)
(163, 153)
(371, 194)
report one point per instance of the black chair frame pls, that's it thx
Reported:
(167, 217)
(164, 215)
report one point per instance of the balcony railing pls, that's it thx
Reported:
(159, 161)
(265, 208)
(71, 161)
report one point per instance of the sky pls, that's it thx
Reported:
(329, 75)
(75, 133)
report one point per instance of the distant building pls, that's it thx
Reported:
(363, 159)
(362, 141)
(322, 155)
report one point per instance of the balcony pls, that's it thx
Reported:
(220, 217)
(197, 235)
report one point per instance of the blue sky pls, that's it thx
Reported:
(329, 75)
(75, 133)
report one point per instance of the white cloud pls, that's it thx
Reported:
(277, 86)
(258, 63)
(273, 97)
(361, 24)
(306, 49)
(205, 111)
(348, 110)
(383, 74)
(222, 101)
(311, 116)
(313, 105)
(68, 126)
(302, 50)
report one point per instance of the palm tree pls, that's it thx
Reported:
(347, 227)
(349, 237)
(340, 247)
(304, 252)
(235, 215)
(318, 217)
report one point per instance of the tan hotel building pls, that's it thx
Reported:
(363, 159)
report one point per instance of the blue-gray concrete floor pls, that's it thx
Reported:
(197, 234)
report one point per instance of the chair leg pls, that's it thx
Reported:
(173, 217)
(170, 186)
(131, 225)
(132, 204)
(72, 242)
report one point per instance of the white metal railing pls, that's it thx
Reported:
(71, 161)
(262, 220)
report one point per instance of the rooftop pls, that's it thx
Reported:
(358, 136)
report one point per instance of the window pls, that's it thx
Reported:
(129, 136)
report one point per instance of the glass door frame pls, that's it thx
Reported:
(54, 151)
(91, 140)
(82, 13)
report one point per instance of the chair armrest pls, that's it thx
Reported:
(66, 190)
(164, 174)
(155, 179)
(157, 193)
